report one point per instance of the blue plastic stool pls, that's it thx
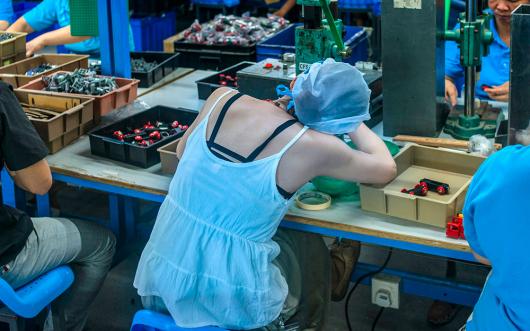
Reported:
(29, 300)
(147, 320)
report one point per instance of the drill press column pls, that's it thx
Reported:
(470, 73)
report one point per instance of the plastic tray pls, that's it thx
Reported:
(13, 47)
(207, 85)
(59, 131)
(168, 157)
(103, 144)
(14, 74)
(283, 42)
(125, 93)
(213, 57)
(167, 63)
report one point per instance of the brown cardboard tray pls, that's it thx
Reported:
(168, 157)
(75, 114)
(13, 46)
(15, 74)
(125, 93)
(414, 163)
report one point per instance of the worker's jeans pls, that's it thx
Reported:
(88, 248)
(305, 263)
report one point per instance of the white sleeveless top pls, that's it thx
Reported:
(210, 254)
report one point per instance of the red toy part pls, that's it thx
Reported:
(453, 230)
(268, 65)
(175, 124)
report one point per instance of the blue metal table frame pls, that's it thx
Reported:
(122, 211)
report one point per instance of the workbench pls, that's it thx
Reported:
(125, 183)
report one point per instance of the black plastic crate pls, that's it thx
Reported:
(103, 143)
(207, 85)
(213, 57)
(167, 63)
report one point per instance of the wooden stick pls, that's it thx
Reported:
(437, 142)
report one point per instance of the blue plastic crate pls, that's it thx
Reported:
(283, 42)
(149, 32)
(225, 3)
(22, 7)
(373, 6)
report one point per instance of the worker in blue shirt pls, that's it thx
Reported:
(494, 77)
(47, 13)
(497, 229)
(6, 14)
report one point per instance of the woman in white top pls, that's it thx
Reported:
(216, 256)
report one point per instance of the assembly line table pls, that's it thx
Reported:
(125, 183)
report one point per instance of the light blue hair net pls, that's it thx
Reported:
(331, 97)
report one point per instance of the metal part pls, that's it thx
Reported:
(40, 69)
(6, 36)
(141, 65)
(473, 38)
(81, 81)
(317, 39)
(413, 75)
(519, 112)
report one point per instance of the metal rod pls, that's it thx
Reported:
(469, 96)
(470, 73)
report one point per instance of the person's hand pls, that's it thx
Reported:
(499, 93)
(451, 94)
(282, 102)
(34, 46)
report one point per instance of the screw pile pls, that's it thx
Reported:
(81, 81)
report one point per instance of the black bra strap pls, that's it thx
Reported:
(221, 116)
(276, 132)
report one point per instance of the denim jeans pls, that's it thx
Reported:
(86, 247)
(305, 263)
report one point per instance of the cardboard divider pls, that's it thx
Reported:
(414, 163)
(15, 74)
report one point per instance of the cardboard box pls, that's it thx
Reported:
(13, 46)
(168, 157)
(414, 163)
(103, 104)
(15, 74)
(72, 114)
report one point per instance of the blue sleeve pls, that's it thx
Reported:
(6, 11)
(453, 69)
(42, 16)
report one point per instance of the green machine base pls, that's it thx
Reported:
(463, 127)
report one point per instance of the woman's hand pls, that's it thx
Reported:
(499, 93)
(34, 46)
(451, 94)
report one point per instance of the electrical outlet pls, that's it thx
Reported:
(385, 290)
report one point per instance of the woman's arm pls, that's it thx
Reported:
(60, 36)
(371, 163)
